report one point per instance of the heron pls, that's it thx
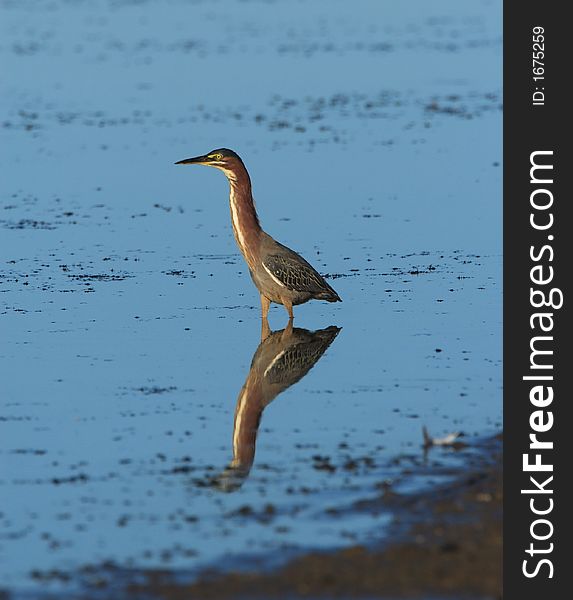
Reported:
(280, 274)
(282, 359)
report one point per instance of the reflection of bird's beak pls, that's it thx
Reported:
(197, 160)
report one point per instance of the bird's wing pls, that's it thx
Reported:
(296, 360)
(295, 273)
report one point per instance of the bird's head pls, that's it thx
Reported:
(224, 159)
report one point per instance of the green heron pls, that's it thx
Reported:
(280, 274)
(282, 359)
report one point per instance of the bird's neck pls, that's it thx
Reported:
(247, 419)
(246, 226)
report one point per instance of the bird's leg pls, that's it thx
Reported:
(265, 304)
(288, 306)
(265, 328)
(287, 331)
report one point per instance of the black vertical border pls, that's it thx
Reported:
(528, 128)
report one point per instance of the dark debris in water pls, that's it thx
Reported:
(99, 277)
(79, 478)
(444, 35)
(180, 273)
(318, 119)
(155, 390)
(468, 107)
(28, 224)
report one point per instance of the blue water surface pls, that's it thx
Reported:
(372, 133)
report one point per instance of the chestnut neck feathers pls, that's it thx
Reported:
(246, 226)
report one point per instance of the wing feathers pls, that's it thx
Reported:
(297, 275)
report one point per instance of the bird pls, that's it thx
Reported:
(282, 359)
(280, 274)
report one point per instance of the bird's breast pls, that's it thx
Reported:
(245, 228)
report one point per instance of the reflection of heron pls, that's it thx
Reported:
(280, 274)
(282, 358)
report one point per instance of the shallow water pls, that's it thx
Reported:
(129, 321)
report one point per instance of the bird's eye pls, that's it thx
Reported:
(218, 156)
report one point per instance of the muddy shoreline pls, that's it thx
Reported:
(446, 543)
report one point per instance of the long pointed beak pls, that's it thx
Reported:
(197, 160)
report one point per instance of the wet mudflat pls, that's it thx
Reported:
(131, 329)
(447, 543)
